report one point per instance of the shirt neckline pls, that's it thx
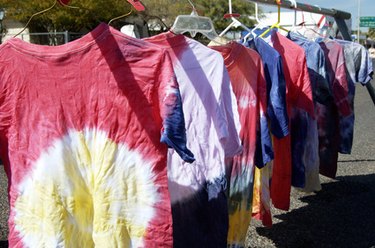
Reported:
(230, 53)
(168, 39)
(87, 40)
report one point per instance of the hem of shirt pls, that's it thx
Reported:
(368, 79)
(183, 152)
(284, 132)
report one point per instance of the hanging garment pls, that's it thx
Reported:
(276, 87)
(328, 114)
(278, 119)
(299, 103)
(322, 94)
(199, 203)
(81, 125)
(359, 69)
(247, 78)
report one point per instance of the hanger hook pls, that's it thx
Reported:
(119, 17)
(38, 13)
(192, 5)
(294, 2)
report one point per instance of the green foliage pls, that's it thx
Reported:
(88, 14)
(165, 10)
(91, 12)
(215, 9)
(371, 33)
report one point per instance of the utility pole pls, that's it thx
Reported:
(359, 21)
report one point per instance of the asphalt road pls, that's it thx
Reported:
(341, 215)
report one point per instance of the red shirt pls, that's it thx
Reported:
(80, 131)
(247, 78)
(299, 96)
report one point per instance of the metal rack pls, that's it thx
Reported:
(340, 17)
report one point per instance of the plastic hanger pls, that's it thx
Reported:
(296, 27)
(313, 32)
(194, 24)
(259, 25)
(61, 2)
(235, 22)
(295, 13)
(137, 4)
(277, 24)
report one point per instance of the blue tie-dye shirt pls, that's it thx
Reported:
(276, 96)
(359, 69)
(321, 92)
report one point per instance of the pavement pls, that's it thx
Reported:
(342, 214)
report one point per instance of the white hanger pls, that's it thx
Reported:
(235, 22)
(259, 25)
(194, 24)
(295, 13)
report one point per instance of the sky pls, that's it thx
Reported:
(367, 7)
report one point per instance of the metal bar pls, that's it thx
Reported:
(340, 17)
(341, 24)
(370, 90)
(52, 33)
(307, 8)
(66, 36)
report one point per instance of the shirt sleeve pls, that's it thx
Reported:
(305, 99)
(173, 131)
(263, 138)
(365, 70)
(232, 142)
(323, 92)
(277, 109)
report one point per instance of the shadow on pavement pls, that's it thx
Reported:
(341, 215)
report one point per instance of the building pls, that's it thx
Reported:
(11, 28)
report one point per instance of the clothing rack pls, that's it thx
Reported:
(340, 17)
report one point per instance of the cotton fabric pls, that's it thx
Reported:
(81, 126)
(199, 202)
(299, 104)
(247, 79)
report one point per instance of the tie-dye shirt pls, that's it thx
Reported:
(199, 203)
(80, 133)
(329, 114)
(321, 92)
(247, 78)
(288, 160)
(276, 87)
(278, 118)
(360, 70)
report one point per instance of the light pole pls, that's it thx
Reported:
(359, 19)
(2, 13)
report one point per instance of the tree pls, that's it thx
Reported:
(91, 12)
(88, 14)
(371, 33)
(215, 9)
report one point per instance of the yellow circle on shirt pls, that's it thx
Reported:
(86, 191)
